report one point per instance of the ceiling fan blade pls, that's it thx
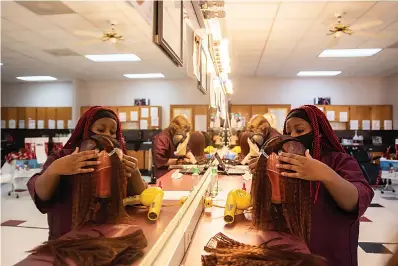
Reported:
(368, 34)
(366, 25)
(88, 33)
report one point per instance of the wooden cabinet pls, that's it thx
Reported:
(63, 116)
(381, 113)
(50, 118)
(140, 156)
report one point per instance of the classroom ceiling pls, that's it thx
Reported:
(32, 32)
(281, 39)
(267, 39)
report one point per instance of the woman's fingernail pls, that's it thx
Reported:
(98, 162)
(277, 165)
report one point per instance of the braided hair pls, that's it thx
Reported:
(323, 134)
(82, 129)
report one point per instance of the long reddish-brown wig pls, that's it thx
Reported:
(98, 196)
(226, 251)
(280, 203)
(323, 134)
(244, 145)
(97, 200)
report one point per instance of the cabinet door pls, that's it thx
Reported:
(139, 155)
(31, 117)
(50, 122)
(339, 112)
(381, 113)
(360, 113)
(21, 114)
(62, 116)
(258, 110)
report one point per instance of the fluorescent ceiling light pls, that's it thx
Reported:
(37, 78)
(113, 57)
(349, 52)
(318, 73)
(144, 76)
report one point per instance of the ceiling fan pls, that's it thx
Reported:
(340, 29)
(111, 36)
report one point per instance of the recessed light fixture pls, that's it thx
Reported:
(1, 64)
(113, 57)
(349, 52)
(144, 76)
(318, 73)
(37, 78)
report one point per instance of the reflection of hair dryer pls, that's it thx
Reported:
(151, 197)
(237, 201)
(182, 147)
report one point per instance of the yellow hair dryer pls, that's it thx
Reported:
(151, 197)
(237, 201)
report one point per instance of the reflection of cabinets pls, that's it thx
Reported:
(135, 117)
(196, 114)
(360, 113)
(35, 117)
(248, 111)
(143, 158)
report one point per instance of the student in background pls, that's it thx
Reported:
(167, 142)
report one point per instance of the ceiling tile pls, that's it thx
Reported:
(254, 10)
(290, 10)
(86, 7)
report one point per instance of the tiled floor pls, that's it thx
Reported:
(24, 227)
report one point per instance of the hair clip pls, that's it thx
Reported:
(262, 152)
(112, 152)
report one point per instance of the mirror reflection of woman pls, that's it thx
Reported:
(171, 144)
(340, 192)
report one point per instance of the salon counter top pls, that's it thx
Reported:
(152, 229)
(212, 223)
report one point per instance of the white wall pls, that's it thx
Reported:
(391, 87)
(160, 92)
(294, 91)
(37, 94)
(299, 91)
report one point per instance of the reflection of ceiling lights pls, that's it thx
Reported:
(318, 73)
(224, 56)
(113, 58)
(228, 86)
(37, 78)
(349, 52)
(144, 76)
(215, 28)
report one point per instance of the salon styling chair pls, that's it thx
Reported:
(366, 162)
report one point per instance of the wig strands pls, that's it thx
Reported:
(87, 206)
(293, 214)
(90, 207)
(95, 251)
(226, 251)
